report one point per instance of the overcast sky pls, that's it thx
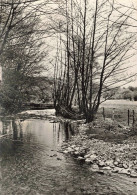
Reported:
(133, 60)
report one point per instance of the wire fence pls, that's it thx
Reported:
(125, 116)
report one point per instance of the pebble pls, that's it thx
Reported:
(115, 163)
(80, 158)
(76, 153)
(88, 161)
(93, 158)
(77, 148)
(87, 156)
(94, 166)
(109, 163)
(70, 149)
(59, 158)
(65, 152)
(116, 170)
(124, 171)
(106, 168)
(133, 174)
(101, 163)
(125, 165)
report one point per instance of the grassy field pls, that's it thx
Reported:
(119, 103)
(118, 110)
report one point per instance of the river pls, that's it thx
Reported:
(31, 163)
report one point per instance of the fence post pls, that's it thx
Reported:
(113, 114)
(128, 117)
(104, 113)
(133, 118)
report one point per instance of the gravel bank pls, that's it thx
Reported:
(106, 146)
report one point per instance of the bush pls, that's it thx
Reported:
(10, 99)
(135, 95)
(127, 95)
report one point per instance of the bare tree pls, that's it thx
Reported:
(96, 44)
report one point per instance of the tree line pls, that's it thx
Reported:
(21, 51)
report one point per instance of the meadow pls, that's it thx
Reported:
(123, 111)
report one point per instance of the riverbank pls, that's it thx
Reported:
(31, 156)
(106, 146)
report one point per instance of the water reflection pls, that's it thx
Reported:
(5, 127)
(68, 130)
(29, 151)
(15, 130)
(32, 164)
(63, 131)
(19, 132)
(11, 127)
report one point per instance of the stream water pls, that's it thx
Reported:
(31, 163)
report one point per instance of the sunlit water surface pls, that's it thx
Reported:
(32, 164)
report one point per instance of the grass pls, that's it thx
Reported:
(118, 110)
